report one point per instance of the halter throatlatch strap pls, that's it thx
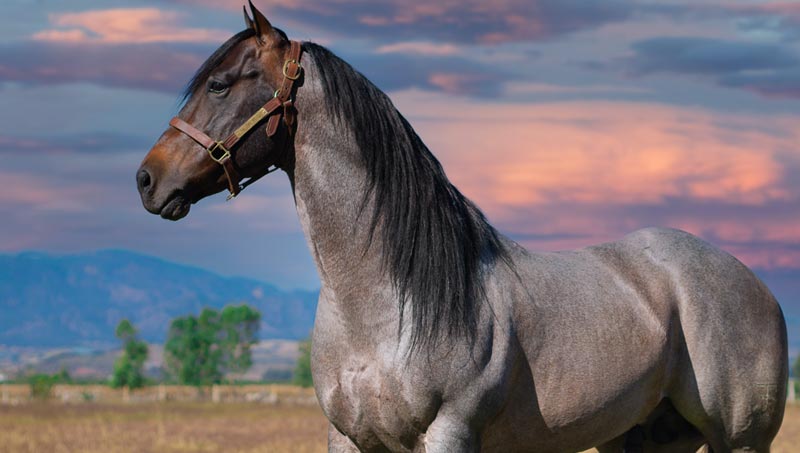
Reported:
(280, 106)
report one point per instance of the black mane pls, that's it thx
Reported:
(436, 243)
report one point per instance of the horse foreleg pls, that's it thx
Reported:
(338, 442)
(446, 435)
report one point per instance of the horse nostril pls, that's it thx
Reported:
(143, 180)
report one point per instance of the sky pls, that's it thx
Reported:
(568, 122)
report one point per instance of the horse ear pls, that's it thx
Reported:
(247, 21)
(263, 28)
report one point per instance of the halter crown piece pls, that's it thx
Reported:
(280, 106)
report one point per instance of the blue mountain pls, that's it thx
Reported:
(77, 300)
(73, 300)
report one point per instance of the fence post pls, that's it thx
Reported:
(162, 392)
(126, 394)
(792, 396)
(215, 393)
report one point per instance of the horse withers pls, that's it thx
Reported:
(436, 333)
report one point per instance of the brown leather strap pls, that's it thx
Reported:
(211, 147)
(195, 134)
(231, 174)
(279, 107)
(291, 72)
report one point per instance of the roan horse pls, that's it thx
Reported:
(436, 333)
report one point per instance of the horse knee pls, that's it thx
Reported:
(338, 442)
(446, 435)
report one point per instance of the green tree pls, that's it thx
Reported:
(201, 350)
(128, 366)
(42, 384)
(796, 367)
(238, 333)
(302, 371)
(63, 377)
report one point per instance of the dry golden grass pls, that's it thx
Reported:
(788, 440)
(161, 427)
(196, 427)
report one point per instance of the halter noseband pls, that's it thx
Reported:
(281, 105)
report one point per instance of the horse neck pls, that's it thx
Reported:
(329, 182)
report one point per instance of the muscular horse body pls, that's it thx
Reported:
(436, 333)
(578, 348)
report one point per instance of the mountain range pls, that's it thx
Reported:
(77, 300)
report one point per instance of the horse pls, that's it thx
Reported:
(436, 333)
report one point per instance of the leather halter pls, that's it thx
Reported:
(280, 106)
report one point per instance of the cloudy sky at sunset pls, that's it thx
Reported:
(569, 122)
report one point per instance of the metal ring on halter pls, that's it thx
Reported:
(286, 69)
(213, 152)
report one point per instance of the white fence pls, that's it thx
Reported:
(268, 394)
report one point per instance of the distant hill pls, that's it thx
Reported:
(273, 360)
(70, 300)
(76, 300)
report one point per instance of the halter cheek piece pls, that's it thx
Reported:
(280, 106)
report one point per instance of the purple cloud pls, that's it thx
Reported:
(145, 66)
(782, 19)
(468, 21)
(167, 67)
(767, 69)
(99, 142)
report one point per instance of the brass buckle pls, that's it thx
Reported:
(216, 149)
(286, 69)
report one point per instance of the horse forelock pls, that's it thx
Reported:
(436, 244)
(204, 72)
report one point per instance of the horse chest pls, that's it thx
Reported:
(372, 406)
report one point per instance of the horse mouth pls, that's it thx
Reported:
(176, 208)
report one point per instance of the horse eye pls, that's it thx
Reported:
(217, 87)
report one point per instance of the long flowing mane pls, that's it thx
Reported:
(436, 243)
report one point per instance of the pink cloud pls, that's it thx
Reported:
(593, 152)
(513, 89)
(456, 83)
(451, 20)
(779, 8)
(374, 21)
(117, 65)
(420, 48)
(35, 193)
(125, 25)
(563, 175)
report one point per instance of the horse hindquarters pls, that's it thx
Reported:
(730, 378)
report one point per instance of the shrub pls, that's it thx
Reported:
(302, 372)
(42, 385)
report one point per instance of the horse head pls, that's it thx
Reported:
(257, 71)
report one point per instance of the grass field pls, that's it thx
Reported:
(196, 427)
